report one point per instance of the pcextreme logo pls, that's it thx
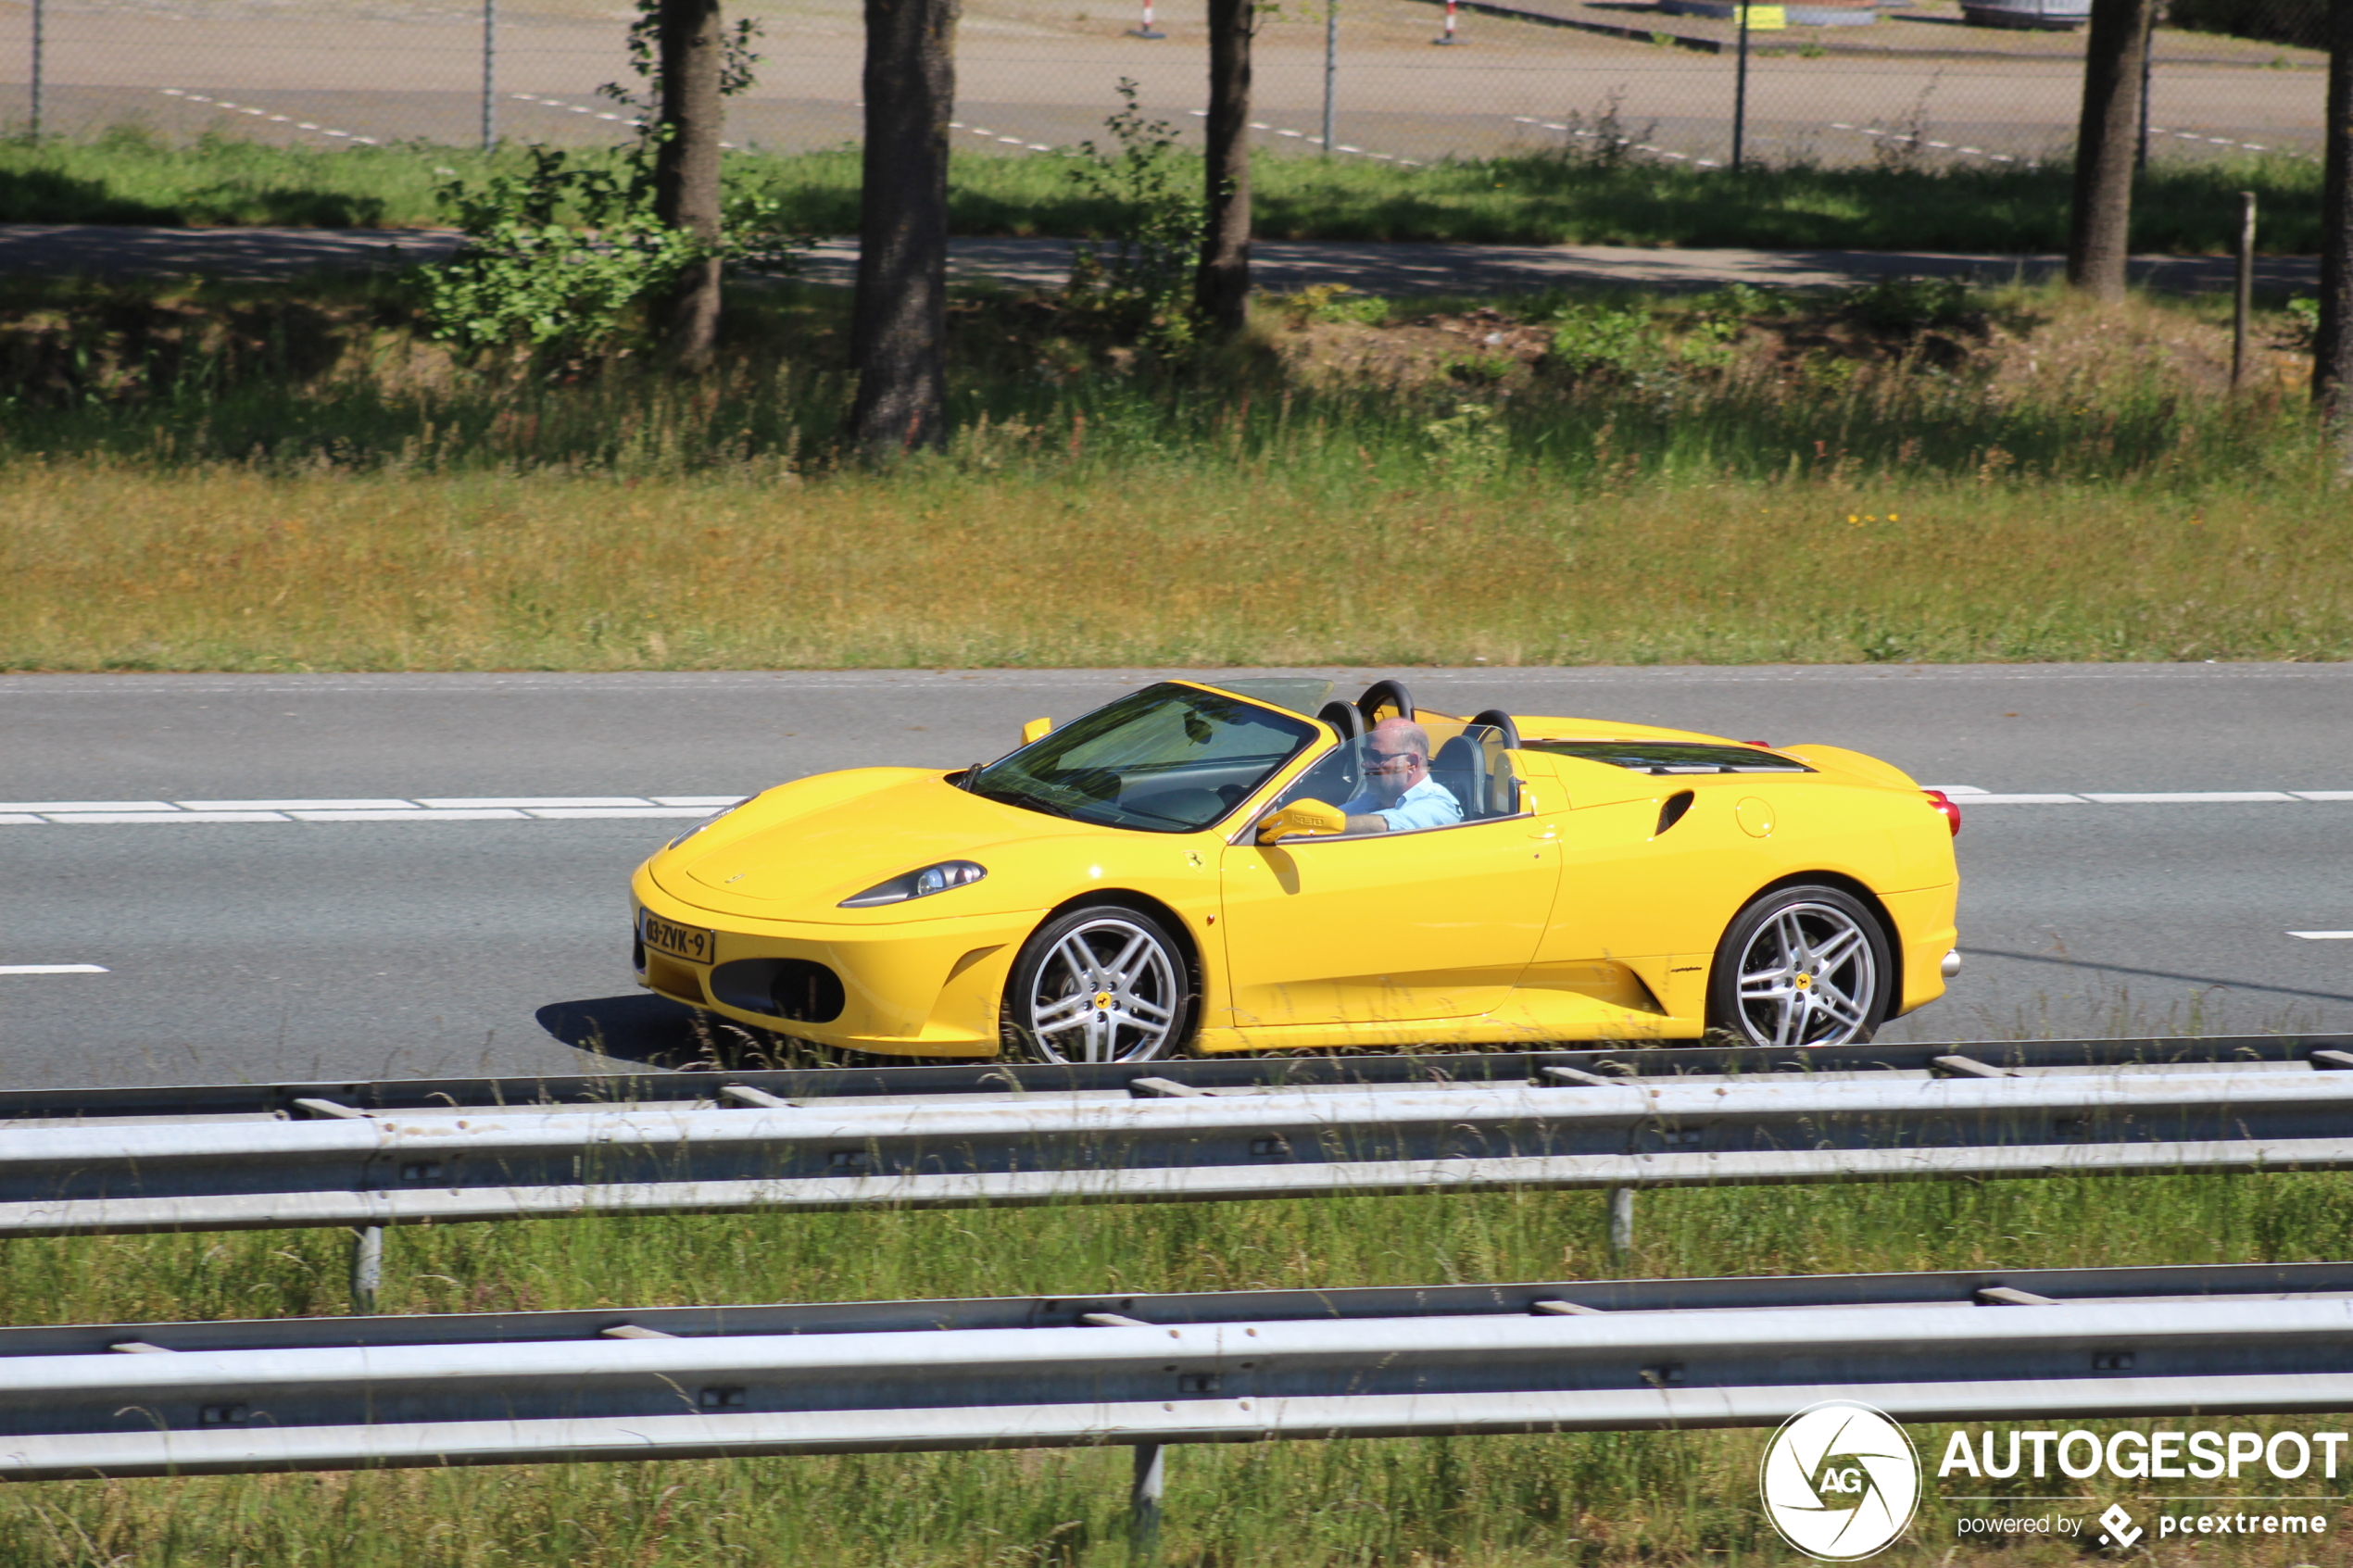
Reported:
(1840, 1481)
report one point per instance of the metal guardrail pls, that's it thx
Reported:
(179, 1102)
(1173, 1143)
(132, 1400)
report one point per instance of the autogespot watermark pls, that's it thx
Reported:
(1841, 1481)
(2139, 1454)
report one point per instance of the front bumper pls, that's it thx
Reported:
(927, 988)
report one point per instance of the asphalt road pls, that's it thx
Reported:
(1387, 268)
(269, 949)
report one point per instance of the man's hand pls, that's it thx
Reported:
(1367, 822)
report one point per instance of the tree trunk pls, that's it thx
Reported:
(2099, 237)
(2333, 349)
(898, 329)
(686, 170)
(1221, 289)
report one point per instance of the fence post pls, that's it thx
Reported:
(1740, 88)
(1331, 67)
(367, 1268)
(1143, 1502)
(1622, 1222)
(2244, 306)
(489, 74)
(39, 10)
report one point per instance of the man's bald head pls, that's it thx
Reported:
(1396, 734)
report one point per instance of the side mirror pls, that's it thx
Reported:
(1308, 819)
(1037, 729)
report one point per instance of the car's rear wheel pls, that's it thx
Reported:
(1801, 966)
(1101, 983)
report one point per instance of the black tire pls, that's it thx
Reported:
(1089, 984)
(1801, 966)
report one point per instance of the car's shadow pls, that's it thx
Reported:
(656, 1031)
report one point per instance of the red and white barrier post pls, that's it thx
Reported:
(1148, 29)
(1450, 37)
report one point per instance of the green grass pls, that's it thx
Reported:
(128, 176)
(1601, 1498)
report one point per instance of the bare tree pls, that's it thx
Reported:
(2099, 237)
(2333, 348)
(692, 46)
(899, 327)
(1221, 290)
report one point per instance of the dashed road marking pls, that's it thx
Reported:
(54, 969)
(1970, 795)
(1667, 153)
(591, 112)
(277, 119)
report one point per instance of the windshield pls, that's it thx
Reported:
(1169, 758)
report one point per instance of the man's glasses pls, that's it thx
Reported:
(1390, 761)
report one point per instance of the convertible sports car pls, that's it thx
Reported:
(1210, 867)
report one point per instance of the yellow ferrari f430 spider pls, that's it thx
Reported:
(1247, 866)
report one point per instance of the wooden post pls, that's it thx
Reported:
(2245, 303)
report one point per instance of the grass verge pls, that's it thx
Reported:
(1535, 197)
(254, 481)
(1501, 1502)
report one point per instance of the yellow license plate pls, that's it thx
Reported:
(689, 942)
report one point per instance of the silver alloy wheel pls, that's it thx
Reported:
(1808, 977)
(1107, 991)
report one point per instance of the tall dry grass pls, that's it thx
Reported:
(107, 565)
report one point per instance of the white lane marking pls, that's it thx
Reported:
(714, 801)
(590, 813)
(85, 805)
(1958, 792)
(1638, 147)
(2324, 935)
(411, 815)
(2025, 800)
(2195, 797)
(292, 806)
(78, 818)
(54, 969)
(241, 109)
(527, 802)
(1317, 140)
(2322, 794)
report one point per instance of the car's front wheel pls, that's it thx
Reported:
(1103, 983)
(1801, 966)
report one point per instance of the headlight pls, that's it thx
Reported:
(708, 821)
(918, 884)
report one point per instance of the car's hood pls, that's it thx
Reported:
(802, 866)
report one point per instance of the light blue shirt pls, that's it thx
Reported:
(1427, 805)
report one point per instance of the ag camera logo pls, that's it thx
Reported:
(1840, 1481)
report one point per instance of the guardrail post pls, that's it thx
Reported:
(1143, 1503)
(1622, 1222)
(367, 1268)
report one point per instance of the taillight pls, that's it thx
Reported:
(1943, 804)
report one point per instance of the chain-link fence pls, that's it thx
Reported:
(1836, 81)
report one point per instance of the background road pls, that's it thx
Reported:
(282, 948)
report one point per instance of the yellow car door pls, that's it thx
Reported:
(1384, 928)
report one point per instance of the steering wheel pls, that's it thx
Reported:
(1385, 693)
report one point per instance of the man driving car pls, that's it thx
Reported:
(1399, 794)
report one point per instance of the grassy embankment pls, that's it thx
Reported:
(1496, 1502)
(1538, 198)
(243, 480)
